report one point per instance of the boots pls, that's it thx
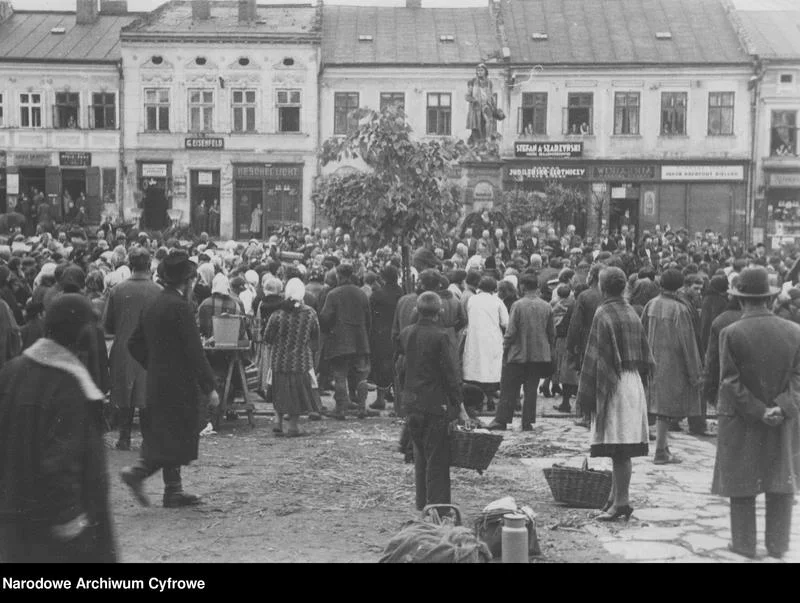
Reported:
(743, 526)
(544, 389)
(564, 407)
(125, 425)
(174, 496)
(134, 477)
(380, 400)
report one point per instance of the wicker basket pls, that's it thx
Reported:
(584, 488)
(473, 450)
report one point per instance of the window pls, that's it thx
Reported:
(579, 113)
(30, 110)
(720, 113)
(533, 114)
(288, 103)
(201, 110)
(156, 104)
(109, 185)
(784, 133)
(673, 113)
(787, 78)
(67, 108)
(244, 110)
(344, 103)
(103, 113)
(439, 114)
(626, 113)
(397, 99)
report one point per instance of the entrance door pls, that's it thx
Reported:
(154, 214)
(205, 201)
(624, 207)
(73, 193)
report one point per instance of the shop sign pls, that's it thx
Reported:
(73, 159)
(623, 172)
(784, 180)
(205, 178)
(545, 172)
(12, 184)
(552, 150)
(702, 172)
(205, 144)
(32, 159)
(269, 172)
(154, 170)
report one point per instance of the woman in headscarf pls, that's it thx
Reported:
(272, 288)
(220, 302)
(293, 332)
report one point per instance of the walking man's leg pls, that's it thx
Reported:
(437, 453)
(779, 523)
(339, 368)
(174, 496)
(530, 385)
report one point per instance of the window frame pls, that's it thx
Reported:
(30, 106)
(674, 111)
(202, 106)
(444, 114)
(536, 108)
(792, 131)
(721, 110)
(72, 102)
(391, 98)
(245, 107)
(159, 106)
(341, 113)
(105, 107)
(589, 107)
(288, 104)
(622, 113)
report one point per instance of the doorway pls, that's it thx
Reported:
(624, 207)
(205, 201)
(73, 193)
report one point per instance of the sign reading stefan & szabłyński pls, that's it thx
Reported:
(552, 150)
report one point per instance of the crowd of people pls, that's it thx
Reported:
(631, 326)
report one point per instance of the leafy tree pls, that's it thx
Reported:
(521, 207)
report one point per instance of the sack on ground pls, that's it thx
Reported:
(489, 525)
(423, 542)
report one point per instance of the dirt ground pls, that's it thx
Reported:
(337, 495)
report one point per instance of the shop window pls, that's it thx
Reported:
(201, 110)
(439, 114)
(393, 99)
(344, 103)
(288, 104)
(30, 110)
(67, 109)
(109, 185)
(626, 113)
(720, 113)
(673, 113)
(533, 114)
(578, 114)
(244, 110)
(156, 104)
(783, 139)
(103, 114)
(249, 212)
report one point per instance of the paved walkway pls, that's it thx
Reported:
(675, 517)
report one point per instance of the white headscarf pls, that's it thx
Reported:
(251, 276)
(295, 290)
(221, 285)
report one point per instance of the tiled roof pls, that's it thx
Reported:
(620, 32)
(27, 36)
(175, 18)
(772, 34)
(408, 36)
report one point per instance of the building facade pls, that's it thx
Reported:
(649, 117)
(221, 115)
(59, 109)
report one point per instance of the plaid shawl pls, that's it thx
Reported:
(617, 342)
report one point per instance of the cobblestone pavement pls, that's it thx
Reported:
(675, 517)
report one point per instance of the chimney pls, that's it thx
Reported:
(413, 3)
(201, 10)
(114, 7)
(86, 13)
(5, 10)
(247, 11)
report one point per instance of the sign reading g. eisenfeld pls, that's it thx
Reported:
(552, 150)
(205, 144)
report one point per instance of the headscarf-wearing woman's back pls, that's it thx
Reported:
(218, 304)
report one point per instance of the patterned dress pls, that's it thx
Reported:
(293, 332)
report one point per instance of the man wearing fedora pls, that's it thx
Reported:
(758, 447)
(167, 344)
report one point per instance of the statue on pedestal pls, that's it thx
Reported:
(483, 111)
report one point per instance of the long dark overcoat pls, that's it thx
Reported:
(52, 464)
(383, 304)
(346, 319)
(167, 344)
(759, 368)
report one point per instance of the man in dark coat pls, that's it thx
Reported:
(759, 433)
(167, 344)
(54, 503)
(346, 319)
(383, 303)
(125, 303)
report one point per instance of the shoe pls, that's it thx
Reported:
(607, 506)
(314, 416)
(562, 408)
(180, 499)
(123, 445)
(496, 426)
(748, 554)
(774, 554)
(545, 392)
(528, 427)
(376, 406)
(666, 458)
(619, 512)
(276, 430)
(353, 406)
(363, 414)
(556, 391)
(231, 415)
(583, 423)
(136, 485)
(388, 396)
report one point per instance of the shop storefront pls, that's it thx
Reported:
(155, 193)
(205, 201)
(266, 197)
(783, 208)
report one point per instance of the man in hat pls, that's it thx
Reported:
(759, 434)
(54, 500)
(167, 344)
(125, 303)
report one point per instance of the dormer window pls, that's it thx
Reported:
(288, 62)
(156, 59)
(200, 61)
(787, 78)
(244, 61)
(447, 38)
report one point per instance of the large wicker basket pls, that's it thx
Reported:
(472, 449)
(584, 488)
